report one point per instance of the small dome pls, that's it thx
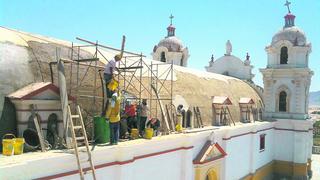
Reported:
(172, 43)
(293, 34)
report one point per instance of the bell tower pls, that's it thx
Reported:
(286, 82)
(287, 76)
(170, 49)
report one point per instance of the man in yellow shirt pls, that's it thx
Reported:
(113, 115)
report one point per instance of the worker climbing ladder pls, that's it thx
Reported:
(74, 126)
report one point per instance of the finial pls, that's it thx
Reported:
(171, 28)
(212, 58)
(247, 61)
(228, 48)
(289, 18)
(288, 5)
(171, 17)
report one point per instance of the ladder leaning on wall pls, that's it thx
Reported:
(74, 126)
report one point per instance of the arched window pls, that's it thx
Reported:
(283, 101)
(284, 55)
(163, 57)
(181, 62)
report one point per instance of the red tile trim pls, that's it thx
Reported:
(114, 163)
(279, 129)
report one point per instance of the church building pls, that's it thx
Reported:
(241, 134)
(170, 49)
(231, 65)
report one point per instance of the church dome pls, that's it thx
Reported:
(172, 43)
(293, 34)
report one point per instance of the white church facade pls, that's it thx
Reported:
(231, 65)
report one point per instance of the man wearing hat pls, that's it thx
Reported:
(109, 69)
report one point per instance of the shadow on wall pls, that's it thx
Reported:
(8, 120)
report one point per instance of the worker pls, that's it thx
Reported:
(182, 112)
(109, 69)
(154, 123)
(143, 115)
(113, 115)
(130, 112)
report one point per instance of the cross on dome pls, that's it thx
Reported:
(289, 18)
(171, 29)
(171, 17)
(288, 5)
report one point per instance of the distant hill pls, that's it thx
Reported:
(314, 98)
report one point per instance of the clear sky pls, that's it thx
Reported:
(203, 25)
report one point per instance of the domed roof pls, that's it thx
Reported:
(172, 43)
(293, 34)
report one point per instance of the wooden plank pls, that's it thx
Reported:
(164, 117)
(38, 128)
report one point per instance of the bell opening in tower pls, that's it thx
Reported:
(284, 55)
(283, 101)
(163, 57)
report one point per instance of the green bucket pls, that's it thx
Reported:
(101, 130)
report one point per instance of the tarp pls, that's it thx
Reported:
(8, 120)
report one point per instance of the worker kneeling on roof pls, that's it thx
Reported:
(113, 115)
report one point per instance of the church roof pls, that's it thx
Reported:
(172, 43)
(195, 86)
(293, 34)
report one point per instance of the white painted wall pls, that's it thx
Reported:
(233, 65)
(15, 71)
(240, 142)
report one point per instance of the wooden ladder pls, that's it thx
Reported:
(198, 116)
(75, 140)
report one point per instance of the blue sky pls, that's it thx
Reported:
(203, 25)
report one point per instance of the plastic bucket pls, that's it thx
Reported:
(7, 145)
(149, 133)
(101, 130)
(179, 127)
(31, 138)
(18, 146)
(113, 85)
(134, 133)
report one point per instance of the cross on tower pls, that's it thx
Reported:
(288, 5)
(171, 17)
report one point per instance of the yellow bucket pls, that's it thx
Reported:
(7, 145)
(18, 146)
(113, 85)
(149, 133)
(134, 133)
(179, 127)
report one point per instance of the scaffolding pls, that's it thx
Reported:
(151, 81)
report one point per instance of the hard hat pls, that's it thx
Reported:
(118, 57)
